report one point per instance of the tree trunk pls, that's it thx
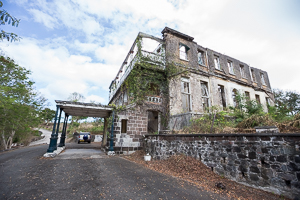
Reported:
(4, 142)
(9, 140)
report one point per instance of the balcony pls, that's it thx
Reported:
(149, 57)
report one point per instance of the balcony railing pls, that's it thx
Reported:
(148, 57)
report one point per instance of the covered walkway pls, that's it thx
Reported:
(75, 109)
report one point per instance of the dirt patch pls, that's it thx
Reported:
(194, 171)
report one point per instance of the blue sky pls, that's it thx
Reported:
(79, 45)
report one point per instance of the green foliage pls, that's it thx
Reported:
(19, 103)
(47, 115)
(214, 122)
(245, 108)
(287, 104)
(6, 18)
(76, 97)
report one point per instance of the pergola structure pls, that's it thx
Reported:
(75, 109)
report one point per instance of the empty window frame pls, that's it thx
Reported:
(201, 58)
(222, 98)
(234, 97)
(262, 77)
(242, 71)
(230, 67)
(205, 95)
(247, 95)
(125, 97)
(257, 98)
(268, 101)
(253, 75)
(124, 126)
(185, 94)
(183, 52)
(217, 63)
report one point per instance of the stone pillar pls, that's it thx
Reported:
(104, 140)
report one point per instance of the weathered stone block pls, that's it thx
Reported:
(252, 155)
(297, 159)
(243, 168)
(286, 176)
(236, 149)
(266, 174)
(281, 158)
(293, 167)
(254, 177)
(241, 156)
(254, 169)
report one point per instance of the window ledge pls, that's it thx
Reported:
(202, 65)
(231, 74)
(184, 59)
(219, 69)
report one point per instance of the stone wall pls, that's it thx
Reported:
(270, 161)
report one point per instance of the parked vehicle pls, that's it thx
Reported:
(84, 137)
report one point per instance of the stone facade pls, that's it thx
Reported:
(267, 161)
(207, 79)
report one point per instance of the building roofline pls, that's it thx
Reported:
(176, 33)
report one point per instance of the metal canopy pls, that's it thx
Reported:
(84, 109)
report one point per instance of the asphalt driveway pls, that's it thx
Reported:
(91, 174)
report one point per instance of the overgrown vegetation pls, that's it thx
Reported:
(249, 113)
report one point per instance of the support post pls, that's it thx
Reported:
(104, 138)
(111, 146)
(57, 130)
(53, 139)
(63, 134)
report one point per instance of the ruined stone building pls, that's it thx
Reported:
(163, 83)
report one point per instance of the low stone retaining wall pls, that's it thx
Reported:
(270, 161)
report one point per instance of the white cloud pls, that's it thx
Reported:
(92, 38)
(44, 18)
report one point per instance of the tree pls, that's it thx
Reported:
(76, 97)
(19, 103)
(7, 18)
(47, 115)
(287, 103)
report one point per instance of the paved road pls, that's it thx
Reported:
(46, 139)
(89, 175)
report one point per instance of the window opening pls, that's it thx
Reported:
(242, 70)
(217, 63)
(201, 58)
(185, 91)
(205, 95)
(253, 75)
(262, 79)
(257, 98)
(124, 126)
(230, 67)
(247, 95)
(125, 97)
(222, 98)
(268, 100)
(183, 52)
(234, 97)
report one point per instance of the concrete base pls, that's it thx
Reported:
(111, 153)
(55, 153)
